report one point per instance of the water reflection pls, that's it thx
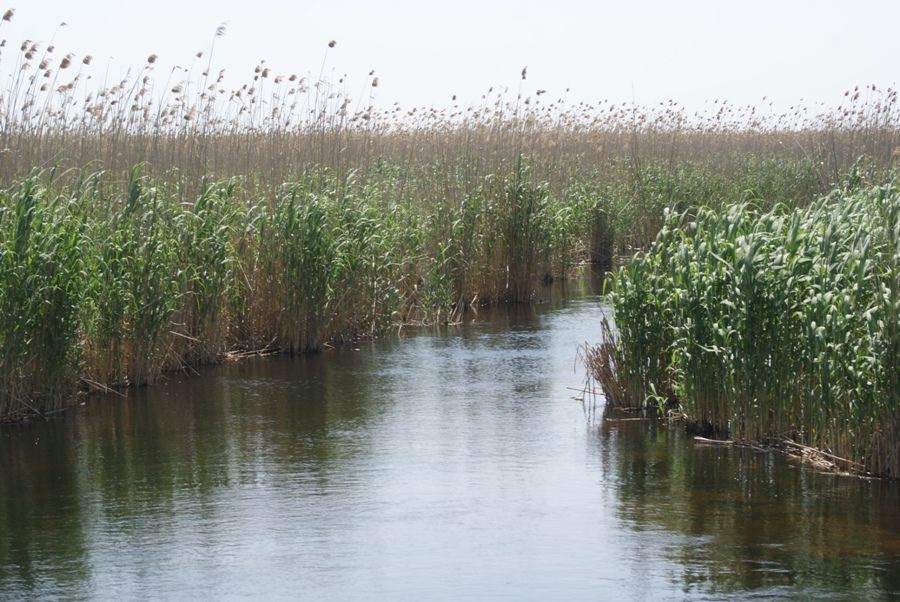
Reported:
(440, 464)
(41, 533)
(751, 521)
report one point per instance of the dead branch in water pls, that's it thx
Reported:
(705, 441)
(813, 450)
(101, 387)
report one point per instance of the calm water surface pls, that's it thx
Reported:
(442, 465)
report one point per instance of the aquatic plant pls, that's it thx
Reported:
(136, 280)
(768, 325)
(188, 216)
(192, 122)
(41, 289)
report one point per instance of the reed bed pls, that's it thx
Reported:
(161, 220)
(769, 325)
(114, 284)
(60, 109)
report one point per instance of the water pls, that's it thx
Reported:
(442, 465)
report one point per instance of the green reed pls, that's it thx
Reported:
(210, 269)
(769, 324)
(42, 275)
(272, 215)
(137, 282)
(112, 284)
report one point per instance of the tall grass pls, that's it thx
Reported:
(192, 121)
(179, 216)
(115, 283)
(42, 271)
(137, 282)
(770, 324)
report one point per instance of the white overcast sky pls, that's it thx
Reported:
(425, 52)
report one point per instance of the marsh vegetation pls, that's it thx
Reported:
(769, 325)
(163, 220)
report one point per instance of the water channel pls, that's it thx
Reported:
(438, 464)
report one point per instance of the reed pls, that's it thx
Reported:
(137, 282)
(114, 283)
(42, 275)
(193, 122)
(159, 221)
(769, 324)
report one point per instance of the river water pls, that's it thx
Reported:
(449, 464)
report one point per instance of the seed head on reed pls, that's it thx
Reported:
(8, 15)
(332, 43)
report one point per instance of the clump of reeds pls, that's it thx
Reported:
(137, 280)
(42, 279)
(769, 325)
(280, 213)
(115, 282)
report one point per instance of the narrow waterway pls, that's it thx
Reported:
(448, 464)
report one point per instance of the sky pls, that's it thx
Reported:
(423, 53)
